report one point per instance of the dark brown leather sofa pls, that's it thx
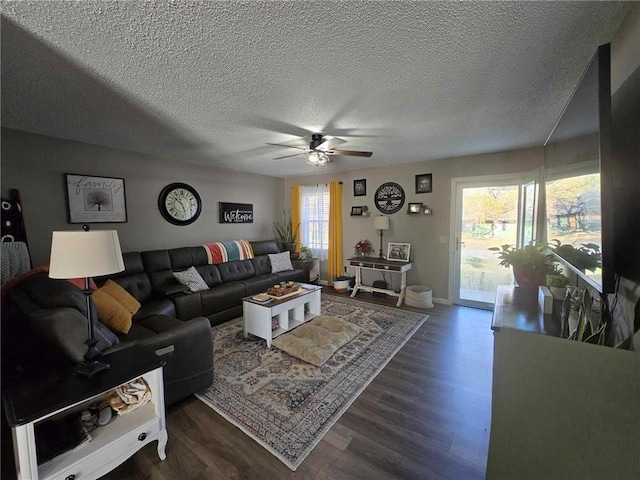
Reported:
(173, 323)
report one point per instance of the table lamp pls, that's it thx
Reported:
(86, 254)
(381, 223)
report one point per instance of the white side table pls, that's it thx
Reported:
(65, 392)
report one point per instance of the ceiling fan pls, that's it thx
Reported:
(320, 149)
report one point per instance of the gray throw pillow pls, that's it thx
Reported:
(280, 262)
(192, 279)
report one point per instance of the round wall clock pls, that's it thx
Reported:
(179, 204)
(389, 197)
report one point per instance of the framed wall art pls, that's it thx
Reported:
(360, 188)
(424, 183)
(415, 207)
(398, 251)
(356, 211)
(95, 199)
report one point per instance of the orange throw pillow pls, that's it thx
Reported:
(121, 296)
(110, 312)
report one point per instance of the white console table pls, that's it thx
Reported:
(380, 264)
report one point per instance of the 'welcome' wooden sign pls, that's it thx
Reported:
(236, 212)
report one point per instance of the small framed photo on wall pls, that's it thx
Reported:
(424, 183)
(360, 188)
(356, 211)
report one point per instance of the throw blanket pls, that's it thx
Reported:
(221, 252)
(15, 260)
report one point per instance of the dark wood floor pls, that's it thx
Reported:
(425, 416)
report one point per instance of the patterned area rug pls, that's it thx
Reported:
(287, 405)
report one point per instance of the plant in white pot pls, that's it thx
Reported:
(557, 283)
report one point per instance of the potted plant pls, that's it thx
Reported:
(305, 253)
(585, 257)
(557, 283)
(530, 263)
(286, 233)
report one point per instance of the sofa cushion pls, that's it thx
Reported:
(236, 270)
(157, 264)
(223, 297)
(280, 262)
(110, 312)
(52, 293)
(260, 283)
(192, 279)
(293, 276)
(185, 257)
(121, 296)
(264, 247)
(210, 274)
(133, 278)
(261, 264)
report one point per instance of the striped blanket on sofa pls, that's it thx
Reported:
(221, 252)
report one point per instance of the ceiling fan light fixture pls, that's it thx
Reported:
(317, 159)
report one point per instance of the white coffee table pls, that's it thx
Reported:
(288, 313)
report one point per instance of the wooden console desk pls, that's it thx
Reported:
(380, 264)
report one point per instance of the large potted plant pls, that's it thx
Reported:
(286, 232)
(530, 264)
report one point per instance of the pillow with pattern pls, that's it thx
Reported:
(280, 262)
(192, 279)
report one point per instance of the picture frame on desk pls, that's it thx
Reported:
(398, 252)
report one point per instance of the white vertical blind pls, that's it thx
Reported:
(314, 219)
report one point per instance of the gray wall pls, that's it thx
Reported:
(427, 234)
(35, 164)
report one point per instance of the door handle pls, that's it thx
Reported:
(459, 243)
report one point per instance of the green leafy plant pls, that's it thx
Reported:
(534, 255)
(584, 320)
(285, 230)
(585, 257)
(305, 253)
(558, 280)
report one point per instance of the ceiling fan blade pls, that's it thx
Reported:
(349, 153)
(285, 146)
(287, 156)
(330, 143)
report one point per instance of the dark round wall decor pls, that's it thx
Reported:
(179, 204)
(389, 197)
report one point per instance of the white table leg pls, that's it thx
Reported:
(162, 443)
(25, 452)
(403, 286)
(358, 283)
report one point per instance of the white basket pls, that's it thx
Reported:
(341, 285)
(419, 296)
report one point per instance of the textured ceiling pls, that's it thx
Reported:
(212, 82)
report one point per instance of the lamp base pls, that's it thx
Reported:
(89, 369)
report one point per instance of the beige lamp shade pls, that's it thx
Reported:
(381, 222)
(85, 254)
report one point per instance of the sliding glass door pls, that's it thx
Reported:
(489, 212)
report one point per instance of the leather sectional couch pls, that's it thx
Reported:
(172, 322)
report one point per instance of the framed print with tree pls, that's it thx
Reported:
(360, 188)
(398, 251)
(424, 183)
(95, 199)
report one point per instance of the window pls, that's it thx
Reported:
(314, 219)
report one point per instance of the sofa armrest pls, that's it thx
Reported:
(188, 306)
(188, 351)
(169, 290)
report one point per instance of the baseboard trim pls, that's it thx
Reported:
(442, 301)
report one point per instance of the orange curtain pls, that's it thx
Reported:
(295, 213)
(334, 263)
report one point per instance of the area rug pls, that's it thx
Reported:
(286, 404)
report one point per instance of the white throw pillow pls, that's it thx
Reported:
(280, 262)
(192, 279)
